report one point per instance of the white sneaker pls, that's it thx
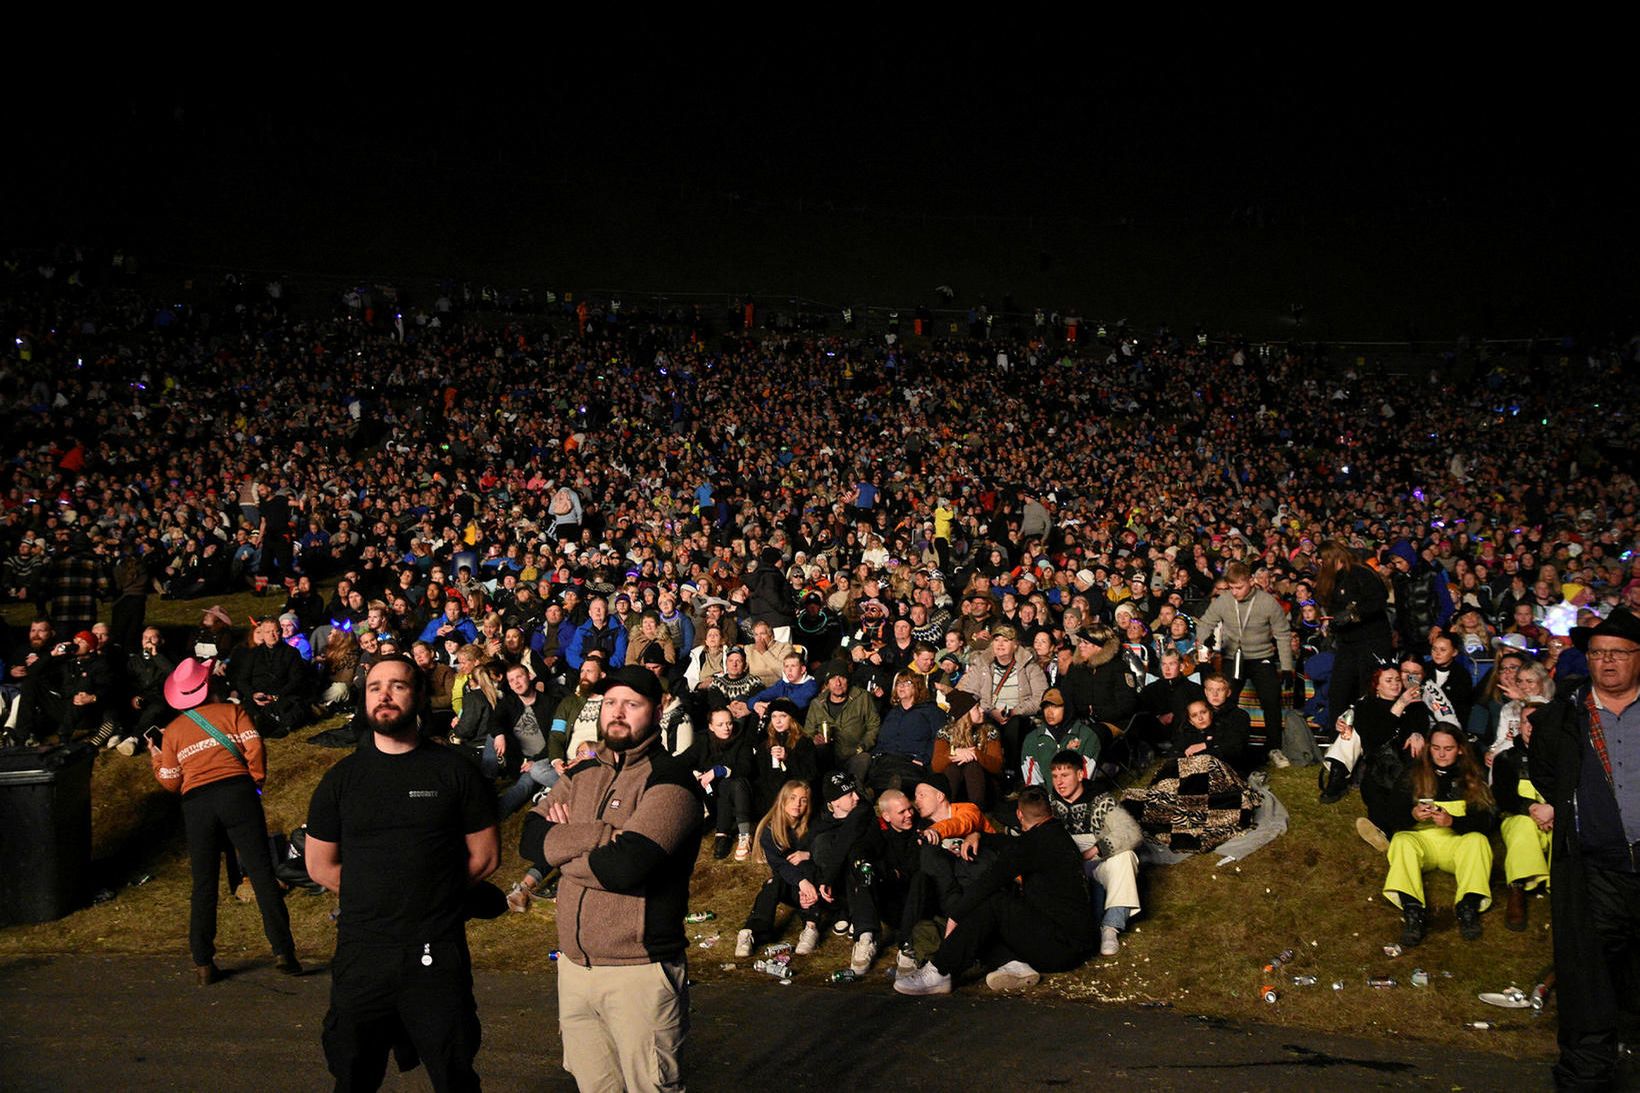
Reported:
(743, 943)
(865, 951)
(1012, 976)
(1372, 833)
(743, 847)
(925, 980)
(1279, 760)
(809, 940)
(128, 746)
(905, 962)
(1109, 943)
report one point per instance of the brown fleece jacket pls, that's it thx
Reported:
(626, 853)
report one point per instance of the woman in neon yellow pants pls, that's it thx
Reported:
(1528, 824)
(1454, 817)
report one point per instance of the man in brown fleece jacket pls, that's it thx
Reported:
(623, 827)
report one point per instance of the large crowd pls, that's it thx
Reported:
(915, 575)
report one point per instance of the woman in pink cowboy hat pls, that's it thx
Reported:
(212, 755)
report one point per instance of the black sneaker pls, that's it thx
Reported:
(721, 846)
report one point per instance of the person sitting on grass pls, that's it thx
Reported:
(1027, 913)
(784, 843)
(1528, 821)
(782, 753)
(1053, 734)
(722, 761)
(847, 855)
(1108, 837)
(968, 752)
(1375, 731)
(1454, 817)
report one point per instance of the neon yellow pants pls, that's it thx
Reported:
(1467, 857)
(1525, 851)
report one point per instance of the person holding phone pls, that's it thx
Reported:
(1453, 816)
(212, 754)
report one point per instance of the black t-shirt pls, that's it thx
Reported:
(401, 822)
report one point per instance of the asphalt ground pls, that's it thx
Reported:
(79, 1022)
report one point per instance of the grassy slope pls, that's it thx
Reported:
(1206, 932)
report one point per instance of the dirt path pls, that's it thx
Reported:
(138, 1023)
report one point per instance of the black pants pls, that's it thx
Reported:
(732, 799)
(1005, 928)
(1014, 731)
(276, 556)
(279, 717)
(384, 998)
(1265, 676)
(43, 712)
(125, 629)
(1352, 668)
(858, 873)
(936, 885)
(774, 892)
(1588, 1047)
(893, 772)
(230, 813)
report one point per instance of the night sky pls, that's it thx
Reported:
(1394, 190)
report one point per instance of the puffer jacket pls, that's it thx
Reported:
(621, 901)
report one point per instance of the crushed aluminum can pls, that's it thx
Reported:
(709, 940)
(1393, 951)
(777, 948)
(770, 967)
(1286, 957)
(699, 916)
(1304, 980)
(1420, 978)
(1483, 1026)
(1338, 984)
(1381, 982)
(1269, 994)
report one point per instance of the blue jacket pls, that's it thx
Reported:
(588, 637)
(463, 626)
(802, 692)
(910, 732)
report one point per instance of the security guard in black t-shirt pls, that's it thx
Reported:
(412, 827)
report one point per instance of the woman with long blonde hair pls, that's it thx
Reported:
(476, 725)
(783, 842)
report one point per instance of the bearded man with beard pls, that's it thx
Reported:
(623, 826)
(401, 829)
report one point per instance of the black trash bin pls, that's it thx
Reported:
(45, 831)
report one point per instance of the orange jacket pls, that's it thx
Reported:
(965, 819)
(190, 757)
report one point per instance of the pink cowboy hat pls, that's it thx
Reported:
(189, 684)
